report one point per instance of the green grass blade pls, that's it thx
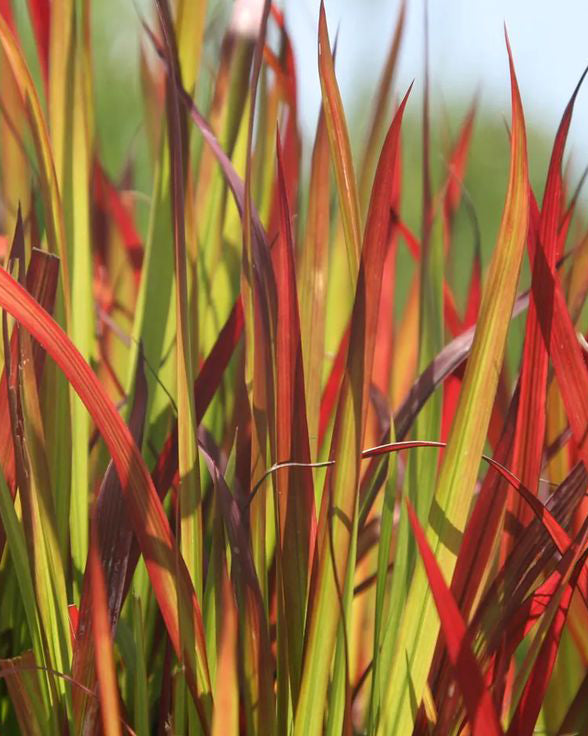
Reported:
(420, 625)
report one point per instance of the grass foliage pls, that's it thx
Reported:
(272, 459)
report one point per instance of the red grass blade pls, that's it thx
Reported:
(531, 420)
(246, 585)
(294, 487)
(529, 705)
(23, 688)
(456, 171)
(108, 199)
(41, 283)
(205, 387)
(482, 714)
(40, 12)
(342, 480)
(331, 390)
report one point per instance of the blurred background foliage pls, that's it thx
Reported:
(117, 37)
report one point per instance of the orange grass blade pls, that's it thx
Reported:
(101, 631)
(48, 180)
(341, 485)
(225, 720)
(339, 147)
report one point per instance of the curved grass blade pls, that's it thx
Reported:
(148, 517)
(75, 190)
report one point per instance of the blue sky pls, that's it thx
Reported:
(467, 51)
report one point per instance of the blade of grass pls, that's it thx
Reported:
(101, 631)
(481, 711)
(76, 187)
(114, 534)
(41, 283)
(48, 180)
(312, 288)
(419, 623)
(190, 507)
(296, 516)
(18, 550)
(252, 619)
(40, 519)
(419, 481)
(531, 420)
(24, 692)
(385, 86)
(341, 484)
(340, 148)
(226, 712)
(149, 521)
(190, 26)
